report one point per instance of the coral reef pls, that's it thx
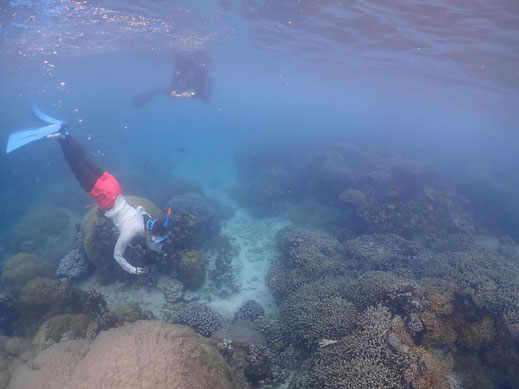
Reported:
(61, 327)
(395, 292)
(388, 206)
(306, 255)
(202, 216)
(202, 318)
(191, 269)
(245, 348)
(145, 354)
(384, 252)
(241, 332)
(131, 313)
(249, 310)
(21, 268)
(223, 274)
(377, 356)
(73, 266)
(99, 237)
(9, 313)
(43, 298)
(13, 351)
(317, 311)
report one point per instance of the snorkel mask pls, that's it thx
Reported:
(149, 228)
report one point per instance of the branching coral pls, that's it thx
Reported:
(379, 355)
(200, 317)
(307, 255)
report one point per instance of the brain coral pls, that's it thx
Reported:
(145, 354)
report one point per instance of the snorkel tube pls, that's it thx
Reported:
(151, 222)
(166, 222)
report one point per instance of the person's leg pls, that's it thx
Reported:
(85, 171)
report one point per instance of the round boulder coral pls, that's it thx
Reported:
(42, 298)
(191, 269)
(201, 317)
(60, 327)
(249, 310)
(198, 214)
(142, 355)
(21, 268)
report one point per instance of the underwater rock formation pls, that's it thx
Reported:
(73, 266)
(21, 268)
(201, 317)
(143, 355)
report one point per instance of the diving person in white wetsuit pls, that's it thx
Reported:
(105, 190)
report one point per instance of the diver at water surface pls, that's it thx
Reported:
(101, 186)
(190, 80)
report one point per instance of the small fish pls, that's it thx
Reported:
(182, 150)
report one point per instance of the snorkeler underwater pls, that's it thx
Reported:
(248, 194)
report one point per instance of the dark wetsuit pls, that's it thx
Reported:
(191, 75)
(100, 185)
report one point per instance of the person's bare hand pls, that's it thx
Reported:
(139, 270)
(186, 95)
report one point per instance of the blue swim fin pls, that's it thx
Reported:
(21, 138)
(40, 115)
(28, 135)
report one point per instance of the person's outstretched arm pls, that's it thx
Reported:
(123, 241)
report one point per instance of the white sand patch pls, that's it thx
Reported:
(255, 240)
(118, 294)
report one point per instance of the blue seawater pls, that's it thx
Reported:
(353, 118)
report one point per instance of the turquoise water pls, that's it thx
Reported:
(427, 92)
